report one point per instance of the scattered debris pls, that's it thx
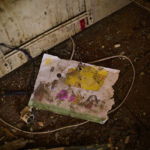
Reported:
(41, 124)
(91, 42)
(110, 144)
(20, 125)
(8, 132)
(26, 115)
(117, 45)
(115, 118)
(112, 127)
(31, 129)
(126, 141)
(142, 73)
(13, 130)
(1, 138)
(122, 53)
(57, 136)
(15, 145)
(118, 32)
(144, 113)
(2, 99)
(51, 117)
(121, 140)
(103, 46)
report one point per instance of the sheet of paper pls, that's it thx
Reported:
(73, 88)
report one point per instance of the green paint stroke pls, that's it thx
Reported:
(63, 111)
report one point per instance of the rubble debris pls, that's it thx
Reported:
(27, 115)
(127, 140)
(144, 113)
(15, 145)
(19, 125)
(57, 136)
(52, 117)
(122, 53)
(31, 129)
(8, 132)
(110, 144)
(1, 138)
(2, 99)
(41, 124)
(117, 45)
(142, 73)
(103, 46)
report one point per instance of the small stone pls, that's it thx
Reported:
(1, 138)
(126, 141)
(31, 129)
(2, 99)
(13, 130)
(122, 53)
(117, 45)
(116, 148)
(91, 42)
(20, 125)
(57, 137)
(135, 59)
(51, 117)
(103, 46)
(142, 73)
(41, 124)
(115, 119)
(144, 113)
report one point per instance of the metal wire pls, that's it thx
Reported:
(79, 124)
(142, 6)
(133, 78)
(51, 131)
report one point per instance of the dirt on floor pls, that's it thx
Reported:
(129, 127)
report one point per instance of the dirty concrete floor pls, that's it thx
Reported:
(129, 127)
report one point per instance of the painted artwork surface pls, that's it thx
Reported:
(73, 88)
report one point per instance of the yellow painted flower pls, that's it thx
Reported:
(89, 78)
(47, 61)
